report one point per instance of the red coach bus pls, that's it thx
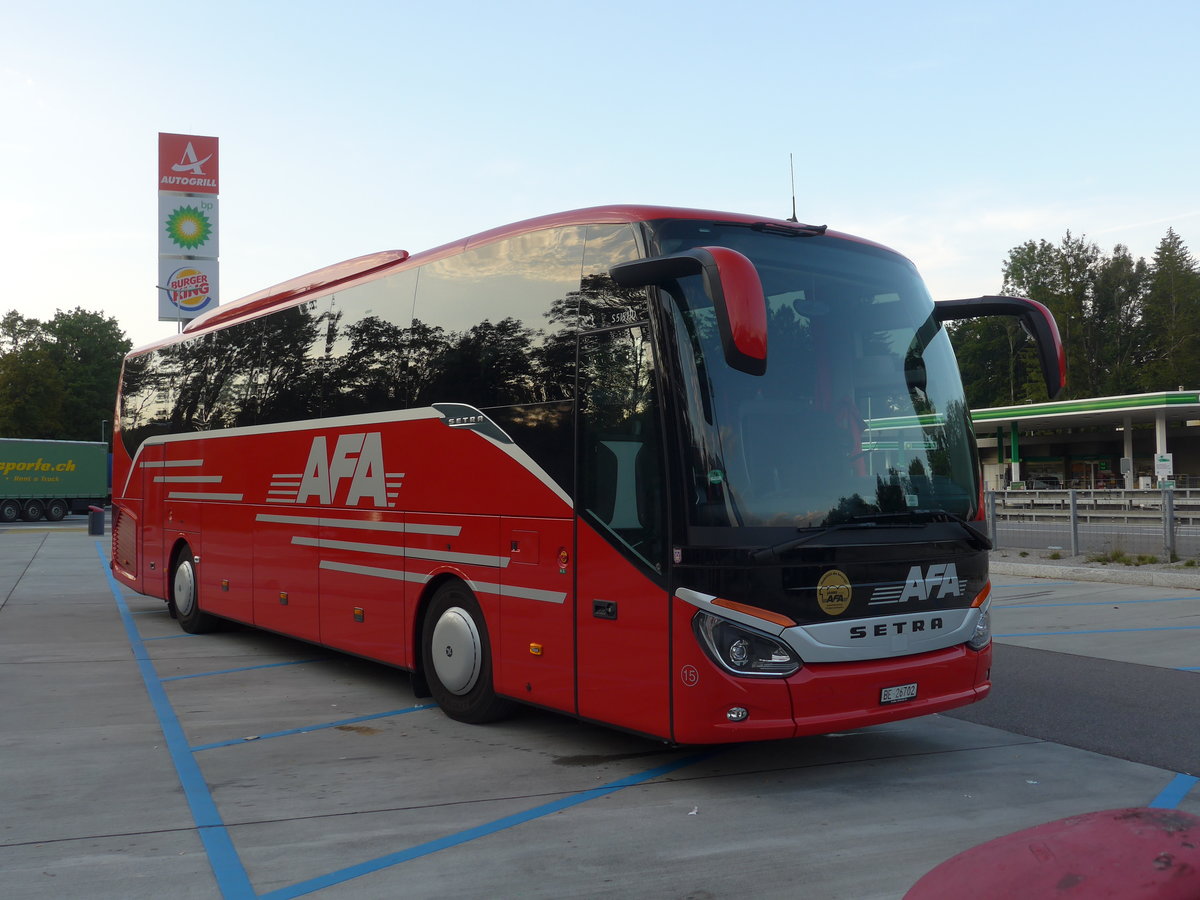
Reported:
(702, 476)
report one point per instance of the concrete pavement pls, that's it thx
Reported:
(138, 760)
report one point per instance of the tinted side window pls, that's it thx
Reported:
(602, 303)
(263, 371)
(495, 323)
(212, 383)
(367, 353)
(148, 387)
(286, 375)
(621, 473)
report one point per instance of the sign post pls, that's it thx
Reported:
(188, 270)
(1164, 469)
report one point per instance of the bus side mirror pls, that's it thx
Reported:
(736, 291)
(1037, 321)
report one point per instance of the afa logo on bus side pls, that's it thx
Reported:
(189, 289)
(357, 460)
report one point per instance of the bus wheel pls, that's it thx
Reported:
(184, 596)
(33, 510)
(457, 658)
(10, 511)
(56, 510)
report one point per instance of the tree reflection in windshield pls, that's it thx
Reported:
(860, 412)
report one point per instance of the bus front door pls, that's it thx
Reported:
(622, 609)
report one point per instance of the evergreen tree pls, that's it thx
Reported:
(1109, 309)
(1113, 334)
(988, 352)
(1172, 319)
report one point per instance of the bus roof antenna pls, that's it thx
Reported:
(792, 168)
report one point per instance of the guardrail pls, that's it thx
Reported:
(1085, 520)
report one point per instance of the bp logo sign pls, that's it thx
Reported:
(188, 228)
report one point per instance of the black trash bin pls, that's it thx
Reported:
(95, 520)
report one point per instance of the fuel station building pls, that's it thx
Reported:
(1133, 441)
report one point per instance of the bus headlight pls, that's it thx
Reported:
(743, 650)
(983, 628)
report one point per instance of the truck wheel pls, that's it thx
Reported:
(10, 511)
(185, 596)
(457, 657)
(33, 510)
(56, 510)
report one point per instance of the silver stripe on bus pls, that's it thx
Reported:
(481, 587)
(373, 571)
(527, 462)
(517, 592)
(887, 595)
(187, 479)
(181, 495)
(380, 418)
(363, 524)
(474, 559)
(171, 463)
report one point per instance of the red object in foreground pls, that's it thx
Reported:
(1119, 853)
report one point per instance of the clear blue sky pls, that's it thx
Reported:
(950, 131)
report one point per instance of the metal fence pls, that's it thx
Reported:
(1159, 523)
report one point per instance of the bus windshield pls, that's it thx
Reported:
(861, 414)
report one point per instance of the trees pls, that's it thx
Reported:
(1113, 334)
(1171, 326)
(1128, 326)
(58, 379)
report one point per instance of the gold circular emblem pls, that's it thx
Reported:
(834, 592)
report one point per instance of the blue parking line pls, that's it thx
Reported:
(1089, 603)
(471, 834)
(227, 867)
(308, 728)
(1097, 631)
(1005, 587)
(297, 662)
(1174, 792)
(170, 637)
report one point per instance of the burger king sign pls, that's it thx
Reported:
(187, 289)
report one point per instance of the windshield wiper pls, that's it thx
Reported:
(773, 554)
(975, 537)
(914, 519)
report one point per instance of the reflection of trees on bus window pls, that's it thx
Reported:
(145, 398)
(252, 373)
(493, 327)
(620, 476)
(489, 364)
(363, 352)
